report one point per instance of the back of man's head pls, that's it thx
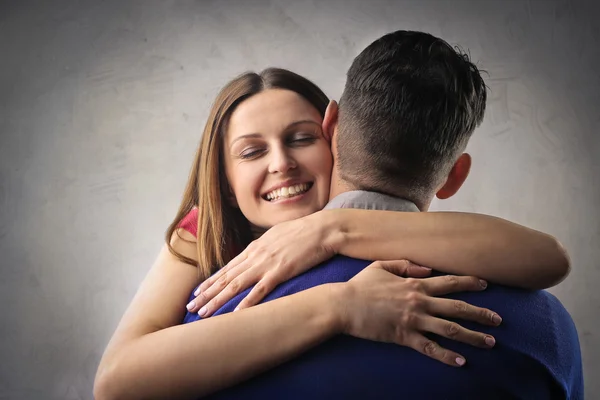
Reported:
(409, 107)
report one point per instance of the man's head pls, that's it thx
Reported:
(409, 107)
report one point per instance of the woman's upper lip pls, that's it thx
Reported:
(289, 182)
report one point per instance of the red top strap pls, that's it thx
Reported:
(190, 222)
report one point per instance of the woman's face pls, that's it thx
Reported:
(277, 161)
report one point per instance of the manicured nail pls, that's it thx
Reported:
(460, 361)
(490, 341)
(191, 305)
(483, 283)
(197, 292)
(202, 311)
(496, 319)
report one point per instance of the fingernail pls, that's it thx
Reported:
(496, 319)
(236, 309)
(460, 361)
(202, 311)
(483, 283)
(191, 305)
(197, 292)
(426, 268)
(490, 341)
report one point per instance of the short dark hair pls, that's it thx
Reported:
(409, 107)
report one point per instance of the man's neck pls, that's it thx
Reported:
(338, 185)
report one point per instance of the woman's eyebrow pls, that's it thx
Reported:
(304, 121)
(247, 136)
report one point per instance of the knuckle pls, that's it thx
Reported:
(447, 357)
(222, 281)
(235, 286)
(414, 284)
(451, 280)
(270, 281)
(210, 281)
(399, 335)
(407, 267)
(226, 268)
(452, 329)
(203, 297)
(260, 288)
(414, 300)
(429, 347)
(460, 306)
(408, 320)
(486, 314)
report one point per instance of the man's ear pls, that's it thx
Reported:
(457, 176)
(330, 120)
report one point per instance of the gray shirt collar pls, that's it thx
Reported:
(370, 201)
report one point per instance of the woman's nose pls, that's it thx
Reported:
(281, 162)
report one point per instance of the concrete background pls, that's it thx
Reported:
(102, 105)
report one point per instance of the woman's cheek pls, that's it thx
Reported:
(325, 164)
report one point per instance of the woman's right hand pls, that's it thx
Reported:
(379, 305)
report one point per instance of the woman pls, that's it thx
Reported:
(263, 130)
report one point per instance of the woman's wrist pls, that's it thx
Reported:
(335, 229)
(336, 306)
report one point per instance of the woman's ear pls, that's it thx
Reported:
(457, 176)
(330, 120)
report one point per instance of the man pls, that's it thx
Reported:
(409, 107)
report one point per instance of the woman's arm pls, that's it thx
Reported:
(152, 356)
(453, 242)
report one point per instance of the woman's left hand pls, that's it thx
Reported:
(283, 252)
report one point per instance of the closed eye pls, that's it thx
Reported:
(294, 140)
(303, 139)
(250, 153)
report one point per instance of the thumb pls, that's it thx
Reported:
(405, 268)
(417, 271)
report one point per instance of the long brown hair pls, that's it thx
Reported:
(223, 231)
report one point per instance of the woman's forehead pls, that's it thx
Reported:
(271, 110)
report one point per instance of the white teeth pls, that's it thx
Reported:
(289, 191)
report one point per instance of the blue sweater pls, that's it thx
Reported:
(537, 355)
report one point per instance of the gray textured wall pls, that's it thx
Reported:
(102, 105)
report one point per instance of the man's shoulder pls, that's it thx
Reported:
(535, 324)
(537, 311)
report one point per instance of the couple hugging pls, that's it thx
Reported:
(303, 263)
